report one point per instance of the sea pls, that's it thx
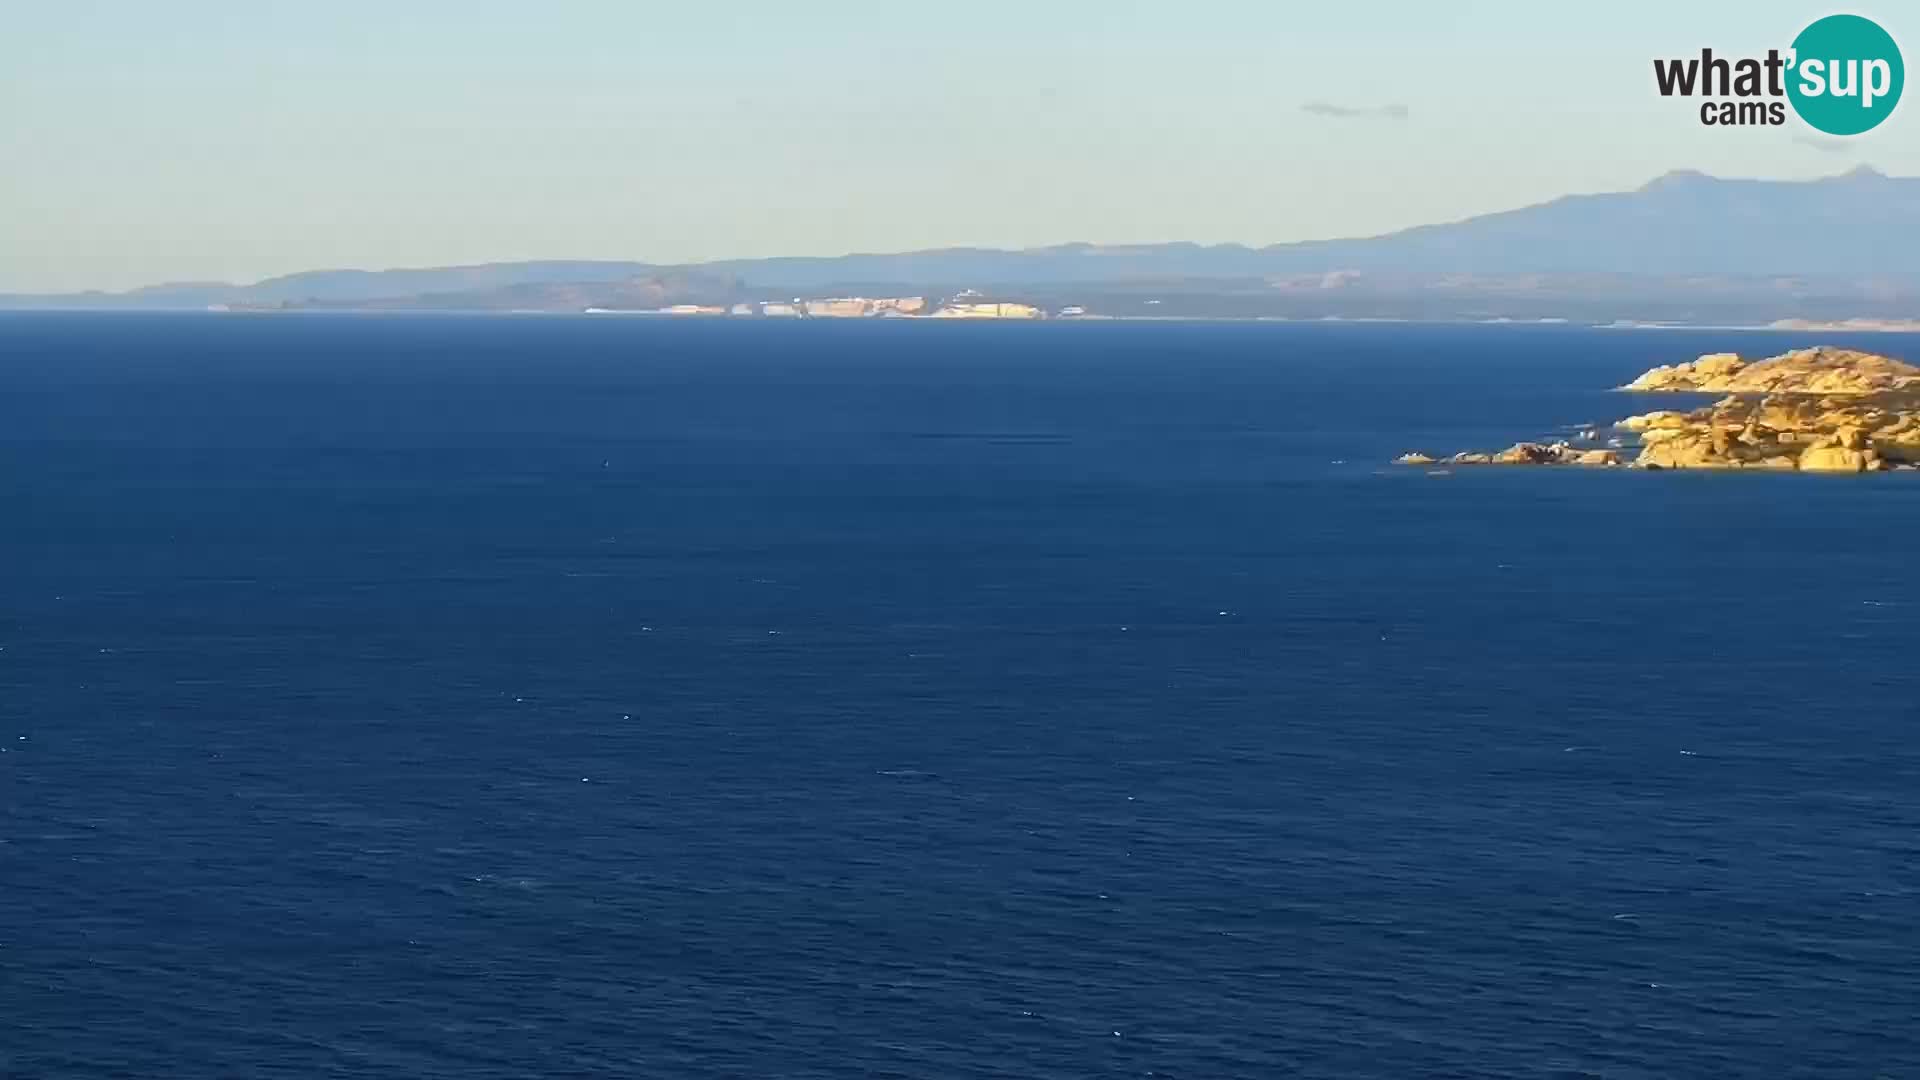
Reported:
(440, 696)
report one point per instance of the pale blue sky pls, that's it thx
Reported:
(148, 140)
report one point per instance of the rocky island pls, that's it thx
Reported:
(1823, 409)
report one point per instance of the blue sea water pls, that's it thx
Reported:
(506, 697)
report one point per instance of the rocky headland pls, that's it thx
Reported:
(1823, 409)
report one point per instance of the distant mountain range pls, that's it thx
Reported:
(1850, 241)
(1858, 223)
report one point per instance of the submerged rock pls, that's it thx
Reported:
(1525, 453)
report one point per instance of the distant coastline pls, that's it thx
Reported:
(1861, 326)
(1681, 250)
(1851, 326)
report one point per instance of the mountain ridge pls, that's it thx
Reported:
(1859, 224)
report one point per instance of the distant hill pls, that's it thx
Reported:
(1859, 223)
(332, 285)
(1856, 224)
(638, 293)
(349, 287)
(1855, 235)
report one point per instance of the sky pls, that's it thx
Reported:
(167, 140)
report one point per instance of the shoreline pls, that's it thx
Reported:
(1862, 327)
(1823, 409)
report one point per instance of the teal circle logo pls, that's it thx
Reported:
(1846, 75)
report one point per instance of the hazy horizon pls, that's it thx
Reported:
(207, 142)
